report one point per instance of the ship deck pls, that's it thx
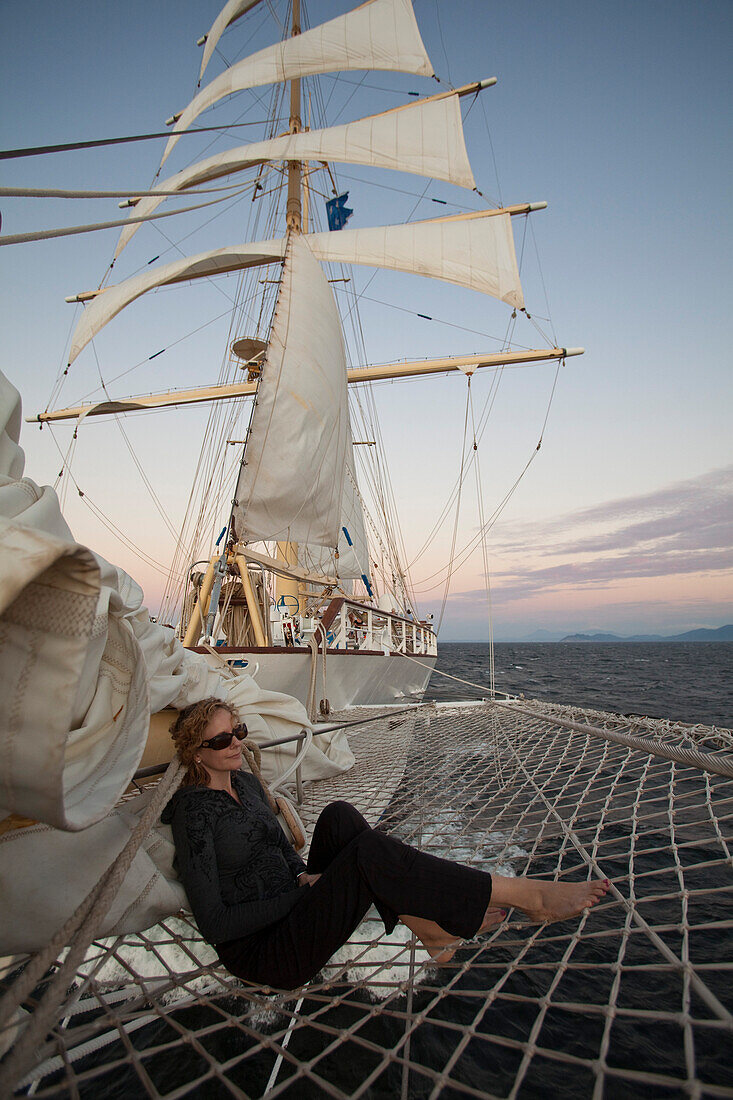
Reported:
(632, 998)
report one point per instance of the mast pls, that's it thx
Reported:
(287, 590)
(293, 210)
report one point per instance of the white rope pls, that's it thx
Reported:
(78, 931)
(709, 762)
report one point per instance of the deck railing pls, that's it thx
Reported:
(352, 626)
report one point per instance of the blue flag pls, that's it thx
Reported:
(338, 213)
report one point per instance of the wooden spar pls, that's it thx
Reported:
(278, 566)
(249, 595)
(260, 260)
(354, 375)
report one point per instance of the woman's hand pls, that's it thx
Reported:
(304, 879)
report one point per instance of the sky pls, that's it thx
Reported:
(617, 115)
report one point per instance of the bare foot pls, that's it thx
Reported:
(438, 943)
(547, 901)
(492, 917)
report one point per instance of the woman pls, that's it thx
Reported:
(275, 920)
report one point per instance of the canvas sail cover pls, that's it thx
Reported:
(475, 252)
(424, 138)
(291, 480)
(353, 551)
(381, 34)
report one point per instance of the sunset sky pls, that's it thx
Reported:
(618, 115)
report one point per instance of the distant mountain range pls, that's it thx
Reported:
(722, 634)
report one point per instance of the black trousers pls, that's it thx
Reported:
(359, 867)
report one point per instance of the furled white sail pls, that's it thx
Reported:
(381, 34)
(353, 551)
(424, 138)
(110, 301)
(475, 251)
(291, 481)
(228, 14)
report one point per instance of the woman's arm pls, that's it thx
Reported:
(197, 865)
(295, 863)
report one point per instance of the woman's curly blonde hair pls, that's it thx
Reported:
(188, 732)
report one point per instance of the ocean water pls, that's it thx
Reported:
(687, 681)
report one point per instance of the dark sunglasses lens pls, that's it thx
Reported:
(221, 741)
(241, 732)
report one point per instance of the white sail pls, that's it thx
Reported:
(228, 14)
(291, 482)
(381, 34)
(475, 251)
(424, 138)
(353, 551)
(108, 302)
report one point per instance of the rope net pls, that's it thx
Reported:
(632, 998)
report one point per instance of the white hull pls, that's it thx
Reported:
(353, 678)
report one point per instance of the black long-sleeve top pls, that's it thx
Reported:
(237, 867)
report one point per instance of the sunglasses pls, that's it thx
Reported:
(224, 740)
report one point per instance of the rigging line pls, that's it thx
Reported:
(75, 230)
(209, 445)
(38, 150)
(442, 41)
(468, 549)
(130, 449)
(63, 368)
(400, 190)
(359, 84)
(99, 514)
(370, 87)
(458, 510)
(153, 495)
(470, 546)
(544, 287)
(484, 552)
(483, 423)
(143, 362)
(491, 146)
(436, 320)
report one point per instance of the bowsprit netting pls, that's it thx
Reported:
(633, 998)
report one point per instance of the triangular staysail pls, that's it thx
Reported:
(381, 34)
(291, 481)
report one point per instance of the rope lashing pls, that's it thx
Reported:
(279, 806)
(681, 754)
(78, 932)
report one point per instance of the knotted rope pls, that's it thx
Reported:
(78, 932)
(279, 806)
